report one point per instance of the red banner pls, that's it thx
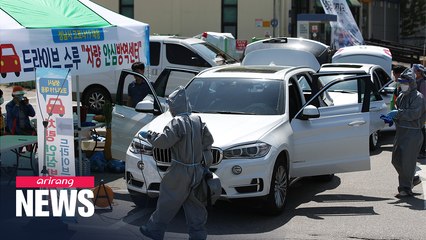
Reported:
(55, 182)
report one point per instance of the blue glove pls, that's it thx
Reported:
(392, 114)
(387, 119)
(143, 134)
(148, 134)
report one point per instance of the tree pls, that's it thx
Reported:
(413, 17)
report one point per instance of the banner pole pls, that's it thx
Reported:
(80, 162)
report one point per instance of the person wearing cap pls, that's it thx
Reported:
(409, 119)
(187, 137)
(1, 115)
(18, 113)
(419, 75)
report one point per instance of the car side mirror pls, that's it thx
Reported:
(310, 111)
(147, 106)
(144, 106)
(388, 90)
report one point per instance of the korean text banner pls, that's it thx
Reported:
(62, 34)
(84, 51)
(345, 30)
(56, 141)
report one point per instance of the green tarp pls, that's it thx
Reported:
(52, 14)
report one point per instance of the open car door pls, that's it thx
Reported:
(126, 121)
(331, 141)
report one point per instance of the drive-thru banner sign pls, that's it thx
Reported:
(345, 30)
(54, 106)
(71, 34)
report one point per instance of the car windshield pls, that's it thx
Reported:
(211, 52)
(236, 96)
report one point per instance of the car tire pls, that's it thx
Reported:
(141, 200)
(374, 141)
(4, 75)
(95, 98)
(17, 74)
(277, 197)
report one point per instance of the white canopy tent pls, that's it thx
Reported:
(74, 34)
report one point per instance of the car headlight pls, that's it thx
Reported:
(139, 146)
(254, 150)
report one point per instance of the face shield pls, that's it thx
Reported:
(404, 87)
(406, 82)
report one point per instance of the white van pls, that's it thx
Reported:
(365, 54)
(165, 52)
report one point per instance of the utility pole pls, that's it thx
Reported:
(274, 17)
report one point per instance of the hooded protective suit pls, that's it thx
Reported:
(187, 137)
(409, 120)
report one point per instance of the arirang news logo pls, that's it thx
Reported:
(55, 196)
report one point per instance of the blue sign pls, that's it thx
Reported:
(61, 35)
(274, 22)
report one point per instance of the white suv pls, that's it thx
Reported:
(266, 133)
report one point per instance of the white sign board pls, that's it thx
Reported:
(56, 140)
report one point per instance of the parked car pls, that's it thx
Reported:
(126, 121)
(165, 52)
(381, 82)
(265, 133)
(365, 54)
(368, 54)
(346, 97)
(321, 51)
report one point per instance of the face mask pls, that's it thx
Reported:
(404, 87)
(1, 100)
(19, 97)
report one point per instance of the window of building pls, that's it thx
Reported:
(127, 8)
(230, 16)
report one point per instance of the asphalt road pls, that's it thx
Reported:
(359, 205)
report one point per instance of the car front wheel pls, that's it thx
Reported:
(277, 197)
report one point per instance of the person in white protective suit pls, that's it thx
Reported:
(187, 137)
(409, 119)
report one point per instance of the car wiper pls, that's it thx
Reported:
(194, 111)
(231, 112)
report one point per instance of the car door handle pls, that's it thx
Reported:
(375, 109)
(119, 115)
(357, 123)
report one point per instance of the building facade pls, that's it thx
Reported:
(248, 19)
